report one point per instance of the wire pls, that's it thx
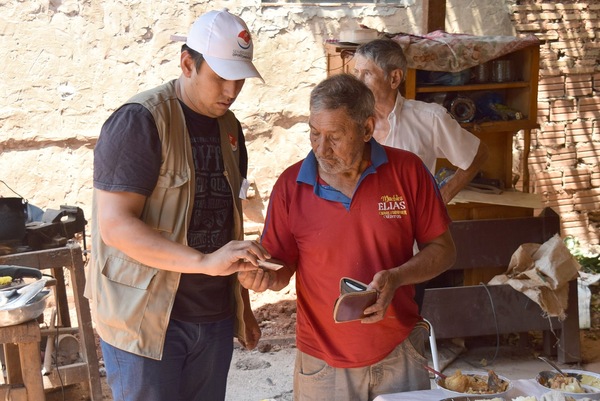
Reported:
(495, 322)
(15, 192)
(62, 385)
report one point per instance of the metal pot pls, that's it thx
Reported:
(13, 217)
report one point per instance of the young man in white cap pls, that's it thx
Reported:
(167, 234)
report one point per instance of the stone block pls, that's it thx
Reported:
(571, 34)
(596, 83)
(571, 17)
(551, 87)
(527, 27)
(587, 15)
(588, 153)
(561, 26)
(546, 181)
(586, 62)
(589, 107)
(592, 24)
(579, 85)
(561, 202)
(566, 44)
(579, 70)
(543, 112)
(595, 177)
(561, 208)
(550, 16)
(580, 132)
(552, 135)
(538, 160)
(562, 157)
(590, 46)
(563, 110)
(527, 8)
(587, 200)
(577, 178)
(573, 222)
(548, 71)
(565, 6)
(548, 54)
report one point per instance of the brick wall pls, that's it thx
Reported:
(564, 161)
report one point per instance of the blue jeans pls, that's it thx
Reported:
(194, 366)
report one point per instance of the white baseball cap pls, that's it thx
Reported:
(225, 42)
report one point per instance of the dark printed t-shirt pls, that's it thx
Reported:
(127, 157)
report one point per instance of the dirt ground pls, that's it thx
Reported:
(276, 313)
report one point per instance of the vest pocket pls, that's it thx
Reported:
(124, 295)
(128, 272)
(166, 207)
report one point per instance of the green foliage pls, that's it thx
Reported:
(590, 262)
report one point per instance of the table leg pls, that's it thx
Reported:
(31, 368)
(84, 319)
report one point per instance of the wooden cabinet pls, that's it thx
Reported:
(520, 94)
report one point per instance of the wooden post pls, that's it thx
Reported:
(434, 15)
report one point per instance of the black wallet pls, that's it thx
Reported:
(353, 300)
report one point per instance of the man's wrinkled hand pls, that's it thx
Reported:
(257, 280)
(384, 283)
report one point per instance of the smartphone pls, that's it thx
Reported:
(269, 265)
(355, 285)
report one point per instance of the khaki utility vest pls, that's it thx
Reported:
(131, 302)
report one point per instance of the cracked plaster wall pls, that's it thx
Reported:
(66, 65)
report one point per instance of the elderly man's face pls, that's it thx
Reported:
(372, 75)
(336, 140)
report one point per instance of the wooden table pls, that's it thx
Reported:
(21, 341)
(69, 257)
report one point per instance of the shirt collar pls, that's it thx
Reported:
(397, 108)
(394, 116)
(308, 169)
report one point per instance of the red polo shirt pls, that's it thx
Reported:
(330, 236)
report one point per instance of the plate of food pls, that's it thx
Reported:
(475, 398)
(479, 384)
(577, 384)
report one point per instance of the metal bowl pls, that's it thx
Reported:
(590, 382)
(456, 395)
(30, 311)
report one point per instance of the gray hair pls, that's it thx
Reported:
(386, 53)
(344, 91)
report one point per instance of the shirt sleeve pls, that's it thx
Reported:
(433, 219)
(127, 156)
(277, 237)
(453, 142)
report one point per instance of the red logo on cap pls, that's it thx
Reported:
(244, 39)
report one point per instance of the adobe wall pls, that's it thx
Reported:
(565, 157)
(68, 64)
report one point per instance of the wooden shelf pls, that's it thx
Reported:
(520, 95)
(506, 198)
(473, 87)
(500, 126)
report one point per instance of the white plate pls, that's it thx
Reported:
(590, 383)
(483, 373)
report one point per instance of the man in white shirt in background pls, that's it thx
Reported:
(426, 129)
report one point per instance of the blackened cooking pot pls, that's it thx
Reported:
(13, 217)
